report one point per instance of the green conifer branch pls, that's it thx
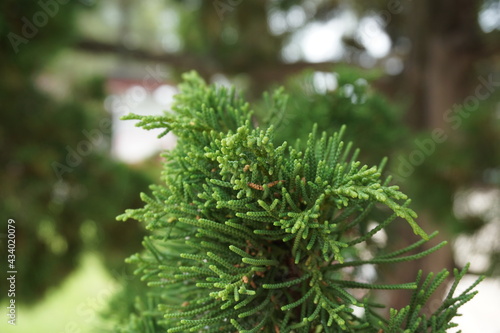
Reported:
(250, 236)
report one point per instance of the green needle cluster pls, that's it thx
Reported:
(248, 236)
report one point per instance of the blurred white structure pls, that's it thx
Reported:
(481, 314)
(132, 144)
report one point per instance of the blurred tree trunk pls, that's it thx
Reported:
(439, 73)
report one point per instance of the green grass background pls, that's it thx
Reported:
(72, 308)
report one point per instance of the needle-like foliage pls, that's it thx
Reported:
(247, 236)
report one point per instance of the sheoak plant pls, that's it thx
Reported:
(249, 236)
